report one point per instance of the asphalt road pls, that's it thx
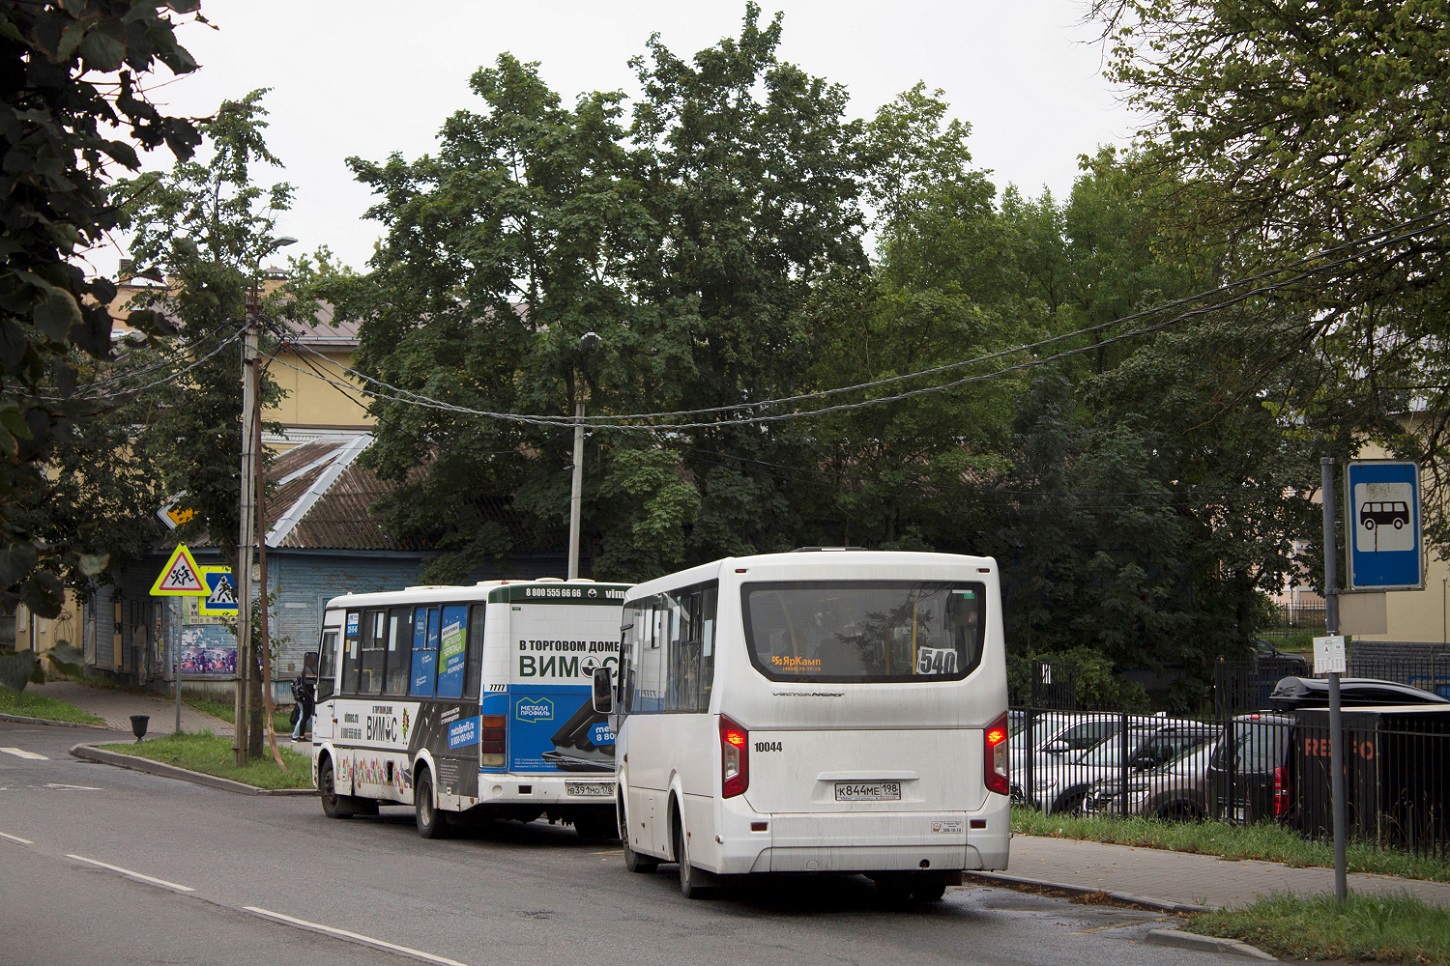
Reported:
(105, 865)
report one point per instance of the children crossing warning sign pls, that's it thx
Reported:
(181, 577)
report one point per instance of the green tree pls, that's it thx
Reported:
(750, 170)
(73, 106)
(501, 253)
(1157, 481)
(1316, 125)
(933, 301)
(688, 242)
(210, 226)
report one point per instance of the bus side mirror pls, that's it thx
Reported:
(603, 696)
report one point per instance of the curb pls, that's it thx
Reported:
(21, 719)
(89, 753)
(1002, 878)
(1207, 944)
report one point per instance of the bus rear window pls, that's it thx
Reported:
(866, 631)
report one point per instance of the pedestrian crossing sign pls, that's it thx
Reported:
(181, 577)
(221, 599)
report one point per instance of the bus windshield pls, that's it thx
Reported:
(864, 631)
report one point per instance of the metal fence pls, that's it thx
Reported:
(1243, 768)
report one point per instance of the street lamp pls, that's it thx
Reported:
(246, 523)
(588, 342)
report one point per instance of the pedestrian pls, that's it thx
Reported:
(303, 696)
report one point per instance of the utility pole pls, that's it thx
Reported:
(588, 342)
(248, 508)
(247, 672)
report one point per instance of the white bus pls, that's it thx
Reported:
(468, 699)
(828, 711)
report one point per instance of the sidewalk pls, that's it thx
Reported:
(1182, 881)
(1174, 881)
(116, 707)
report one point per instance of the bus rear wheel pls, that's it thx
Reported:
(431, 823)
(694, 883)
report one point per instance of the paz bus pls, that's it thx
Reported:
(814, 711)
(468, 701)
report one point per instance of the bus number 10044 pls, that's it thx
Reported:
(767, 746)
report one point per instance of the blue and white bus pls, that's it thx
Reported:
(468, 700)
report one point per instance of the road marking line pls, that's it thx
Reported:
(130, 874)
(352, 936)
(15, 838)
(75, 788)
(22, 753)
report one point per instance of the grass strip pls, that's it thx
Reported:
(1266, 841)
(28, 705)
(227, 711)
(212, 754)
(1395, 928)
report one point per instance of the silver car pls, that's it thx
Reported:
(1125, 754)
(1176, 790)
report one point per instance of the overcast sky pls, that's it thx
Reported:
(368, 78)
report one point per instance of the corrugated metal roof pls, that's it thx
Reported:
(323, 500)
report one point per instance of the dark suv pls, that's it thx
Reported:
(1251, 774)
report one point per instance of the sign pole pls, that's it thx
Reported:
(1336, 718)
(176, 673)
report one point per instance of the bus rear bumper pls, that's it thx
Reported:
(878, 841)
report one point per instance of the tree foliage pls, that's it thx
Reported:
(73, 109)
(1320, 126)
(209, 226)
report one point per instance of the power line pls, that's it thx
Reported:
(1313, 265)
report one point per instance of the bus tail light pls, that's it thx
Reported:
(734, 758)
(491, 740)
(994, 757)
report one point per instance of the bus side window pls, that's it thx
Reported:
(452, 650)
(348, 685)
(651, 634)
(425, 652)
(473, 675)
(399, 648)
(327, 666)
(374, 652)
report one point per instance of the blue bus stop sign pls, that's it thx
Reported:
(1382, 511)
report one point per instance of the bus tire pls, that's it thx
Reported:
(633, 861)
(432, 824)
(333, 804)
(694, 883)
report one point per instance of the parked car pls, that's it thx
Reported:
(1251, 775)
(1176, 790)
(1139, 749)
(1303, 692)
(1266, 656)
(1250, 772)
(1055, 738)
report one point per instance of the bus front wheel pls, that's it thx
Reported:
(431, 823)
(333, 804)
